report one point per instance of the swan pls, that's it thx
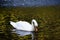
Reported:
(24, 28)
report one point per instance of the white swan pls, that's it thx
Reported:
(24, 28)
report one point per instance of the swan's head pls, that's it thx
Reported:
(34, 23)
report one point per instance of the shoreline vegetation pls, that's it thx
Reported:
(48, 18)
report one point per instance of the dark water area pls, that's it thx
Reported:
(48, 19)
(29, 2)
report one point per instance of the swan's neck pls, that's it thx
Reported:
(34, 23)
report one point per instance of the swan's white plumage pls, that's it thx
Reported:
(35, 23)
(23, 25)
(24, 28)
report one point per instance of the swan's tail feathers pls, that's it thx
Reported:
(13, 24)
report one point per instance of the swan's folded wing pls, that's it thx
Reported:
(26, 26)
(22, 26)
